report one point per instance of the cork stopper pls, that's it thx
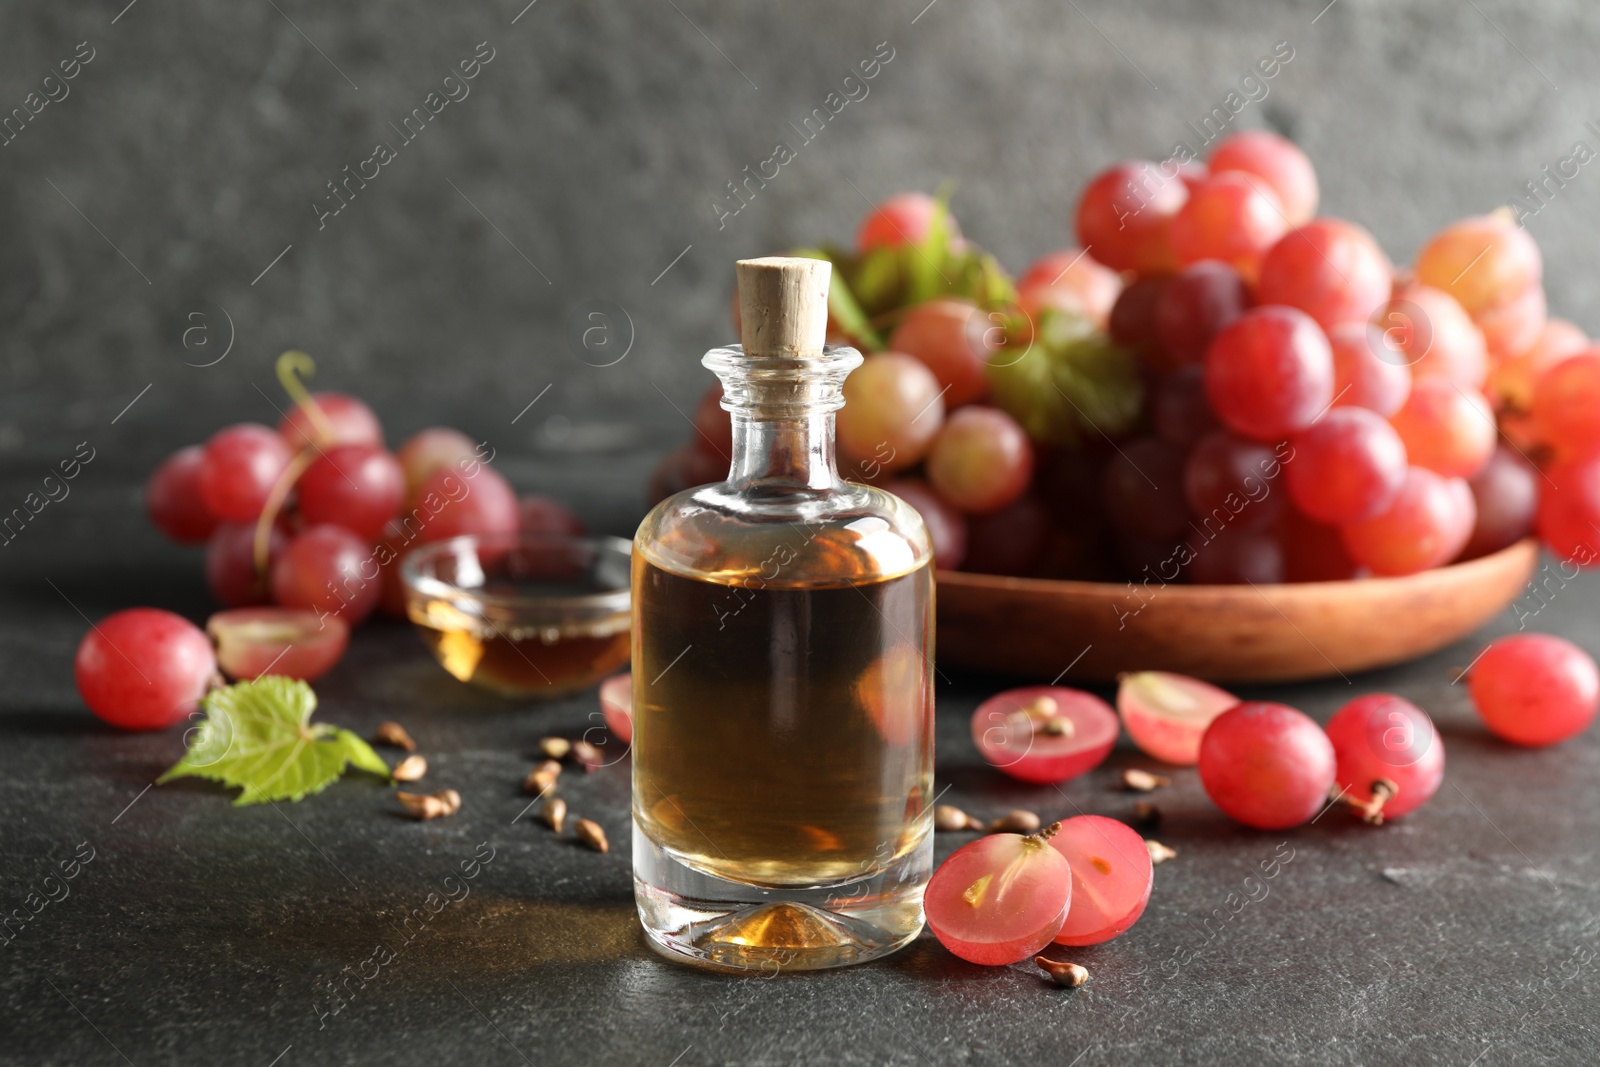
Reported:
(783, 306)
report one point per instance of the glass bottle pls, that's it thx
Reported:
(782, 674)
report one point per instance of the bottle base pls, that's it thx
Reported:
(703, 920)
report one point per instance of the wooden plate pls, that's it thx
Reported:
(1234, 633)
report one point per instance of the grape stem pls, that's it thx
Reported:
(275, 501)
(292, 366)
(1371, 811)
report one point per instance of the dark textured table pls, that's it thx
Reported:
(203, 933)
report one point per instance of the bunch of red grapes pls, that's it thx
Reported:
(1302, 409)
(304, 528)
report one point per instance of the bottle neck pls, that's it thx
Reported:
(782, 411)
(796, 450)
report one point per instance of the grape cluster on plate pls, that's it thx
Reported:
(1219, 386)
(304, 528)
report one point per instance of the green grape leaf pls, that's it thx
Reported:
(259, 736)
(843, 307)
(1063, 381)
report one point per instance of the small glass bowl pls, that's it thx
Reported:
(539, 616)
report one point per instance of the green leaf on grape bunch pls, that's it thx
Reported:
(843, 308)
(259, 736)
(1063, 380)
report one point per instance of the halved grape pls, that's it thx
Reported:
(1111, 878)
(172, 498)
(353, 423)
(1167, 714)
(289, 642)
(1535, 689)
(1000, 899)
(1266, 765)
(1277, 161)
(1044, 733)
(1383, 737)
(144, 669)
(616, 705)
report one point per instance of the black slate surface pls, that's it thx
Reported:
(204, 933)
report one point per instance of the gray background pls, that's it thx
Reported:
(594, 143)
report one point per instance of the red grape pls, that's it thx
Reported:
(1365, 373)
(1269, 373)
(952, 337)
(1166, 714)
(1179, 409)
(1133, 317)
(1349, 465)
(1009, 541)
(352, 421)
(1426, 330)
(1125, 216)
(329, 570)
(1044, 733)
(1535, 689)
(947, 527)
(1111, 878)
(1512, 327)
(981, 460)
(1000, 899)
(1278, 162)
(172, 498)
(902, 219)
(1266, 765)
(241, 465)
(1094, 286)
(143, 668)
(1233, 218)
(231, 572)
(1382, 736)
(1512, 381)
(543, 515)
(1427, 526)
(359, 487)
(1446, 428)
(616, 705)
(1142, 487)
(430, 450)
(1236, 556)
(1199, 302)
(1566, 404)
(1569, 510)
(893, 408)
(1506, 492)
(285, 641)
(1331, 269)
(1482, 261)
(1231, 480)
(456, 503)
